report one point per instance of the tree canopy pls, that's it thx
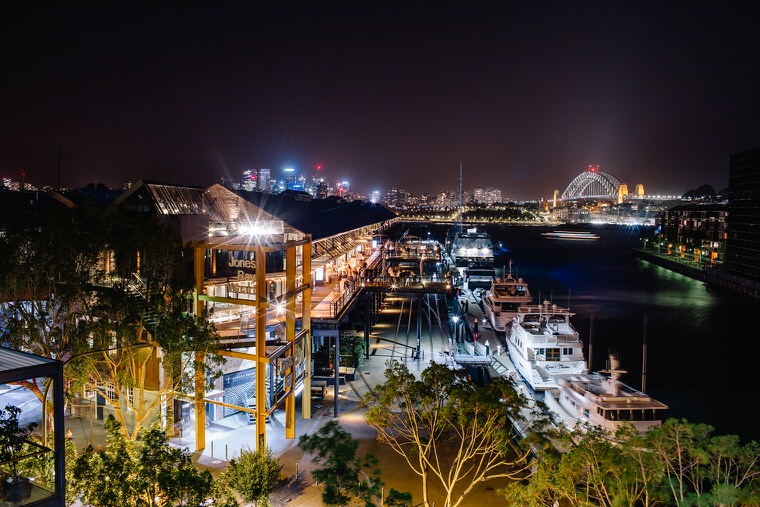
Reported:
(450, 431)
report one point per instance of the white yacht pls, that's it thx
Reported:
(503, 299)
(601, 399)
(543, 343)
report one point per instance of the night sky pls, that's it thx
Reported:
(526, 95)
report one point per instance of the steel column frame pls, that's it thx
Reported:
(261, 347)
(261, 304)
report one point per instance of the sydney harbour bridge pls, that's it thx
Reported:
(597, 184)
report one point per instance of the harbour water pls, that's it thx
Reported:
(701, 346)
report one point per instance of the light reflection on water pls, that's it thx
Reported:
(691, 364)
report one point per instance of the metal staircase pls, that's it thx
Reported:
(137, 291)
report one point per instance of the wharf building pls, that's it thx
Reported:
(259, 261)
(278, 275)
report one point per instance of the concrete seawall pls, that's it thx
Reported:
(712, 277)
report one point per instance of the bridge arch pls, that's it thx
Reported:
(592, 184)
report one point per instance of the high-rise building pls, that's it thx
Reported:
(743, 242)
(289, 177)
(320, 189)
(342, 188)
(264, 179)
(249, 179)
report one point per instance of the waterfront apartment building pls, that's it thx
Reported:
(743, 243)
(696, 232)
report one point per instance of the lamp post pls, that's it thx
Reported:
(455, 318)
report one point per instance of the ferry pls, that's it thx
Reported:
(584, 235)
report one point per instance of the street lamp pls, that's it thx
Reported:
(455, 318)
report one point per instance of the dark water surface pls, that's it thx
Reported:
(702, 346)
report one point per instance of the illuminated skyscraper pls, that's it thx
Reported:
(289, 177)
(342, 188)
(249, 179)
(264, 179)
(320, 189)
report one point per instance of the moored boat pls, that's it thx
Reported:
(542, 343)
(502, 301)
(602, 399)
(471, 248)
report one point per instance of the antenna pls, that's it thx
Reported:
(644, 359)
(58, 184)
(590, 342)
(459, 221)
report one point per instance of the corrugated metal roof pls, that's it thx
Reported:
(13, 360)
(16, 365)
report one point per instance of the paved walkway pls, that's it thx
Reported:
(226, 438)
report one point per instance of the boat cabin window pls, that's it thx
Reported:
(567, 351)
(552, 354)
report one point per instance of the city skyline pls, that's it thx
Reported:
(524, 96)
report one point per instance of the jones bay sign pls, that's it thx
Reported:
(248, 271)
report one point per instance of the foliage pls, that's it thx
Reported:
(342, 473)
(42, 466)
(60, 302)
(48, 261)
(352, 348)
(398, 499)
(700, 468)
(677, 463)
(254, 474)
(451, 432)
(142, 473)
(13, 437)
(147, 306)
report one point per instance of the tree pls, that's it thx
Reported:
(144, 473)
(254, 474)
(344, 475)
(146, 305)
(450, 431)
(702, 468)
(48, 263)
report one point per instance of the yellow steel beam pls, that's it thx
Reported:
(290, 336)
(306, 327)
(261, 349)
